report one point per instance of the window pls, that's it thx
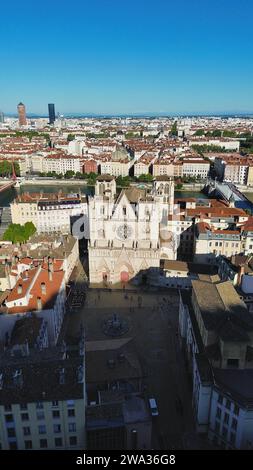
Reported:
(43, 443)
(7, 408)
(23, 406)
(58, 442)
(24, 416)
(72, 427)
(55, 403)
(42, 429)
(28, 445)
(236, 410)
(71, 413)
(11, 432)
(9, 418)
(73, 440)
(57, 428)
(228, 404)
(233, 363)
(218, 413)
(39, 405)
(56, 414)
(26, 431)
(226, 418)
(234, 424)
(220, 399)
(40, 415)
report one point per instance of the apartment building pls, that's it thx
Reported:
(216, 335)
(163, 166)
(225, 143)
(61, 164)
(117, 414)
(143, 165)
(116, 168)
(42, 400)
(41, 290)
(198, 168)
(48, 212)
(210, 243)
(193, 218)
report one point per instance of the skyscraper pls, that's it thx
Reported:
(51, 113)
(22, 114)
(1, 117)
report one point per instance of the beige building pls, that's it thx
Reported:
(250, 176)
(163, 167)
(116, 168)
(48, 212)
(42, 401)
(61, 164)
(196, 168)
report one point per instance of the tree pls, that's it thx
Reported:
(17, 233)
(145, 178)
(69, 174)
(123, 181)
(70, 137)
(199, 132)
(6, 168)
(174, 131)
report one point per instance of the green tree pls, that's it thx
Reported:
(174, 131)
(199, 132)
(145, 178)
(70, 137)
(69, 174)
(17, 233)
(123, 181)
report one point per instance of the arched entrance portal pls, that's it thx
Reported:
(124, 276)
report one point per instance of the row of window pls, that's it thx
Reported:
(39, 405)
(40, 415)
(58, 442)
(226, 244)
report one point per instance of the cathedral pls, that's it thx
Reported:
(128, 231)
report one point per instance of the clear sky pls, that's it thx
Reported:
(132, 56)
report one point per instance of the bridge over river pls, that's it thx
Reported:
(228, 192)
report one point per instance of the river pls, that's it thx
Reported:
(9, 195)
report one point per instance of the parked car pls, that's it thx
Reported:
(153, 407)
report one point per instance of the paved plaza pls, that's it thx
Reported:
(153, 324)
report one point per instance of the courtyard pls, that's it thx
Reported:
(152, 318)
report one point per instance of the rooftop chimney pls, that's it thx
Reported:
(62, 376)
(18, 378)
(39, 303)
(43, 288)
(20, 288)
(240, 274)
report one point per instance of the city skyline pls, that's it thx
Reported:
(138, 60)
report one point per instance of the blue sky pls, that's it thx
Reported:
(134, 56)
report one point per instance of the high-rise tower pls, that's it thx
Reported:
(51, 113)
(22, 114)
